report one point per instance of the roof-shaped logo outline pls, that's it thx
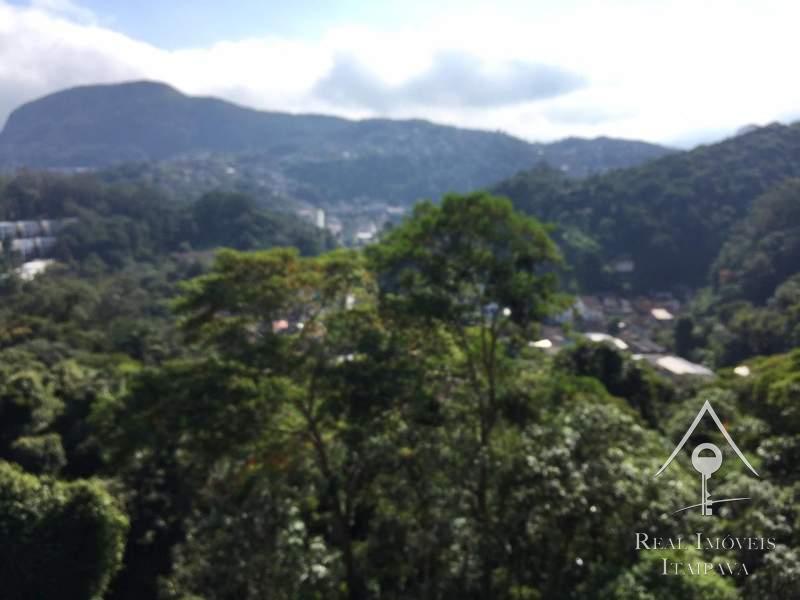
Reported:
(707, 408)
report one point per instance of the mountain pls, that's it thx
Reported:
(313, 158)
(667, 219)
(752, 306)
(99, 125)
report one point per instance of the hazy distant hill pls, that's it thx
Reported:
(670, 216)
(311, 157)
(98, 125)
(118, 225)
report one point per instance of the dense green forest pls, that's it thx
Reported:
(118, 225)
(752, 306)
(670, 216)
(290, 420)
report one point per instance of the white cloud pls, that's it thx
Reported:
(41, 52)
(668, 72)
(454, 79)
(65, 8)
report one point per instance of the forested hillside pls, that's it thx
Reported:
(753, 304)
(115, 225)
(671, 217)
(464, 301)
(197, 144)
(349, 424)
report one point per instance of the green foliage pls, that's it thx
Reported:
(402, 443)
(116, 225)
(671, 216)
(779, 577)
(44, 403)
(359, 425)
(175, 424)
(773, 391)
(754, 306)
(622, 377)
(685, 337)
(215, 405)
(57, 540)
(764, 250)
(470, 255)
(28, 404)
(646, 581)
(125, 312)
(484, 274)
(575, 490)
(39, 453)
(249, 542)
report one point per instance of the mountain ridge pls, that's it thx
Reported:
(328, 159)
(670, 215)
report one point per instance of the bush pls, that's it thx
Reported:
(57, 540)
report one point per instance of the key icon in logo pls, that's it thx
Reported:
(706, 466)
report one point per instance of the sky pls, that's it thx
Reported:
(672, 72)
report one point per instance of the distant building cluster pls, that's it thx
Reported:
(321, 220)
(31, 238)
(356, 224)
(637, 324)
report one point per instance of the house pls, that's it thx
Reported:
(31, 269)
(675, 365)
(661, 314)
(604, 337)
(30, 238)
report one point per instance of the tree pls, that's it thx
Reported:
(483, 274)
(305, 385)
(684, 336)
(57, 540)
(623, 377)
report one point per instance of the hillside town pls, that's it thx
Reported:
(641, 326)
